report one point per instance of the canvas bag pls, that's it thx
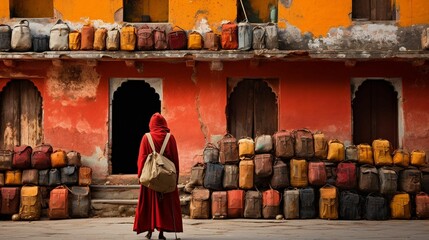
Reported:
(422, 205)
(197, 174)
(270, 203)
(328, 202)
(346, 176)
(58, 158)
(258, 38)
(159, 173)
(211, 41)
(41, 156)
(306, 203)
(263, 165)
(368, 179)
(401, 158)
(21, 37)
(59, 203)
(100, 36)
(195, 41)
(228, 149)
(145, 39)
(418, 158)
(352, 153)
(320, 145)
(80, 202)
(388, 180)
(245, 36)
(246, 172)
(298, 173)
(219, 205)
(128, 37)
(213, 176)
(284, 144)
(280, 177)
(59, 36)
(40, 43)
(5, 37)
(253, 204)
(211, 153)
(365, 154)
(13, 177)
(177, 39)
(235, 203)
(335, 151)
(85, 176)
(264, 143)
(400, 206)
(31, 207)
(10, 199)
(229, 36)
(22, 157)
(230, 177)
(246, 148)
(113, 39)
(199, 207)
(381, 149)
(75, 40)
(317, 173)
(6, 157)
(304, 144)
(351, 205)
(160, 38)
(376, 207)
(291, 203)
(271, 36)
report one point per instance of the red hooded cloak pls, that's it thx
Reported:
(153, 211)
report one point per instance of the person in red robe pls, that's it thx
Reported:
(156, 210)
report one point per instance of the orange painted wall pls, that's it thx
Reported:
(412, 12)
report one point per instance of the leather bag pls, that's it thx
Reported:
(263, 165)
(87, 37)
(253, 204)
(212, 41)
(219, 205)
(320, 145)
(211, 153)
(31, 207)
(352, 153)
(214, 176)
(21, 37)
(160, 38)
(195, 41)
(75, 40)
(6, 157)
(13, 177)
(401, 158)
(100, 36)
(388, 180)
(74, 158)
(10, 199)
(351, 205)
(230, 177)
(246, 172)
(54, 177)
(159, 173)
(400, 206)
(197, 174)
(410, 180)
(85, 176)
(41, 156)
(30, 176)
(128, 38)
(304, 143)
(306, 203)
(328, 202)
(365, 154)
(280, 176)
(80, 202)
(376, 207)
(59, 203)
(270, 203)
(422, 205)
(145, 39)
(381, 149)
(235, 203)
(22, 157)
(284, 144)
(58, 158)
(177, 39)
(246, 148)
(69, 175)
(368, 179)
(336, 151)
(298, 173)
(228, 149)
(199, 207)
(346, 176)
(418, 158)
(317, 173)
(229, 36)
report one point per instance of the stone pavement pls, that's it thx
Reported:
(121, 228)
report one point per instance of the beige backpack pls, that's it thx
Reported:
(59, 36)
(21, 37)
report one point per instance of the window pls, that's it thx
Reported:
(145, 10)
(373, 10)
(31, 8)
(257, 11)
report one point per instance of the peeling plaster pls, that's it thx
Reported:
(203, 126)
(286, 3)
(202, 26)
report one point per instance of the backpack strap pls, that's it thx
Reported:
(164, 144)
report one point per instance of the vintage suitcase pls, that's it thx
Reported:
(291, 203)
(400, 206)
(230, 177)
(351, 204)
(113, 39)
(74, 158)
(30, 177)
(280, 176)
(376, 207)
(320, 145)
(253, 204)
(212, 41)
(368, 179)
(271, 36)
(145, 40)
(6, 159)
(336, 151)
(346, 176)
(270, 203)
(22, 157)
(213, 176)
(328, 202)
(263, 164)
(21, 37)
(264, 143)
(197, 174)
(128, 38)
(58, 158)
(177, 39)
(85, 176)
(410, 180)
(246, 173)
(30, 208)
(422, 205)
(54, 177)
(44, 177)
(59, 203)
(304, 143)
(245, 36)
(41, 156)
(100, 36)
(87, 37)
(317, 173)
(401, 158)
(199, 206)
(211, 153)
(40, 43)
(80, 201)
(195, 41)
(228, 149)
(59, 36)
(381, 149)
(352, 153)
(298, 173)
(388, 180)
(219, 205)
(246, 148)
(235, 203)
(229, 36)
(418, 158)
(5, 37)
(258, 37)
(69, 175)
(75, 38)
(284, 144)
(13, 177)
(10, 199)
(306, 203)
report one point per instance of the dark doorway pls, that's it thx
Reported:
(375, 113)
(21, 115)
(252, 109)
(132, 106)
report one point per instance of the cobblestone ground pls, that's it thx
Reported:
(121, 228)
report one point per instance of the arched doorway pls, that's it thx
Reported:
(252, 109)
(128, 126)
(375, 112)
(21, 114)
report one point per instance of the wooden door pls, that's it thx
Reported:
(21, 114)
(252, 109)
(375, 113)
